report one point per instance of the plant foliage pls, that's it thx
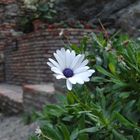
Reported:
(108, 107)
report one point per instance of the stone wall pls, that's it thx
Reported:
(119, 14)
(2, 77)
(36, 96)
(8, 106)
(2, 73)
(9, 12)
(26, 62)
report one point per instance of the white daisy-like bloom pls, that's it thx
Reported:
(71, 67)
(38, 131)
(61, 32)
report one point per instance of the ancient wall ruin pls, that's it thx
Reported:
(27, 62)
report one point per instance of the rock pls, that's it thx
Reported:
(11, 10)
(13, 128)
(129, 19)
(118, 13)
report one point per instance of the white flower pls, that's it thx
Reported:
(38, 131)
(61, 32)
(71, 67)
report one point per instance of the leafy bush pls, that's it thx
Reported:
(108, 107)
(44, 9)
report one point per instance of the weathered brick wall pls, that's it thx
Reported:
(2, 44)
(9, 106)
(9, 13)
(2, 77)
(27, 63)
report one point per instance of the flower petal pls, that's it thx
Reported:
(76, 79)
(82, 77)
(77, 61)
(73, 54)
(84, 63)
(59, 76)
(68, 58)
(81, 69)
(61, 53)
(69, 84)
(56, 70)
(59, 60)
(54, 63)
(50, 64)
(85, 75)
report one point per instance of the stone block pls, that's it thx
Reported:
(36, 96)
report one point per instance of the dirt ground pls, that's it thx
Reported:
(13, 128)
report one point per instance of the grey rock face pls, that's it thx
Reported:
(122, 13)
(129, 19)
(13, 128)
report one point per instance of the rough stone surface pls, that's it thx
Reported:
(27, 64)
(119, 13)
(1, 71)
(36, 96)
(16, 99)
(129, 19)
(13, 128)
(11, 98)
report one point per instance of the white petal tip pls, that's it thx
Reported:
(69, 85)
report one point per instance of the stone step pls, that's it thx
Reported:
(16, 99)
(36, 96)
(11, 98)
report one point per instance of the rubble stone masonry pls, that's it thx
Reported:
(27, 61)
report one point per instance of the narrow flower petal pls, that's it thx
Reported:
(76, 79)
(91, 71)
(81, 77)
(81, 69)
(59, 76)
(59, 60)
(75, 61)
(85, 75)
(68, 58)
(50, 64)
(84, 63)
(72, 55)
(54, 63)
(69, 85)
(61, 54)
(56, 70)
(73, 80)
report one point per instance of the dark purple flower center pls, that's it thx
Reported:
(68, 72)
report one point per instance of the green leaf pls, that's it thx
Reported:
(96, 39)
(118, 136)
(124, 121)
(74, 134)
(70, 98)
(75, 48)
(112, 68)
(103, 71)
(65, 131)
(89, 130)
(54, 110)
(83, 137)
(98, 79)
(51, 132)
